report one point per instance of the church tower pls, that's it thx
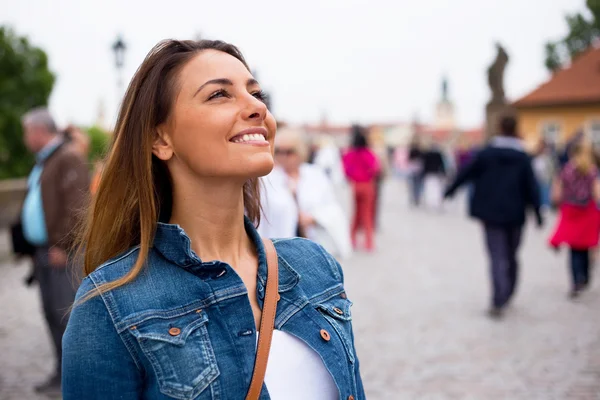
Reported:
(444, 112)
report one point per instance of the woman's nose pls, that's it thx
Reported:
(255, 109)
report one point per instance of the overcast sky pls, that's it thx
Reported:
(350, 60)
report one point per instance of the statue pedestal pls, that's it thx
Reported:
(495, 110)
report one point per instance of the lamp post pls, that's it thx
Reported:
(119, 48)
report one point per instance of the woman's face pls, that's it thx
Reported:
(287, 154)
(219, 125)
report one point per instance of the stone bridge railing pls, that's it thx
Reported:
(12, 193)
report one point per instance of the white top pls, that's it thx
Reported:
(296, 372)
(316, 197)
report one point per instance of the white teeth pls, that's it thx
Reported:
(250, 137)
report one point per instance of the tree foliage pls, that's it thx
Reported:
(583, 32)
(25, 82)
(99, 142)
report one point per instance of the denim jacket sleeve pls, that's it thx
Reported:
(96, 362)
(359, 384)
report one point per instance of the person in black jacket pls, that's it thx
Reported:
(434, 174)
(504, 187)
(415, 158)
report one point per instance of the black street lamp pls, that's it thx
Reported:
(119, 48)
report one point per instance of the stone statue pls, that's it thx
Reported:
(496, 75)
(497, 107)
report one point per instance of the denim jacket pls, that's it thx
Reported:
(184, 329)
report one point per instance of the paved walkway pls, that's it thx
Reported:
(419, 318)
(421, 328)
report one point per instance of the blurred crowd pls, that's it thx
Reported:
(503, 179)
(304, 196)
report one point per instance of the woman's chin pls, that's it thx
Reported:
(259, 167)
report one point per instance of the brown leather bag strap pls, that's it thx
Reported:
(267, 322)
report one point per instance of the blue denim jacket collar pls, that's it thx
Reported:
(171, 241)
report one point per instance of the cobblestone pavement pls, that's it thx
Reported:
(419, 317)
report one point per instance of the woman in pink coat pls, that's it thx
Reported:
(361, 167)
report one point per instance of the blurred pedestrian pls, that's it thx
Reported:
(565, 153)
(504, 187)
(464, 154)
(362, 167)
(399, 160)
(379, 148)
(544, 169)
(299, 200)
(313, 148)
(577, 191)
(415, 171)
(57, 190)
(434, 175)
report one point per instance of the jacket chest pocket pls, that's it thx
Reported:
(180, 352)
(337, 312)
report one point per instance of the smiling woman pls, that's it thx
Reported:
(177, 279)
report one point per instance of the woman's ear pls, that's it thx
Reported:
(162, 147)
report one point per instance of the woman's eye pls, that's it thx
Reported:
(217, 94)
(260, 95)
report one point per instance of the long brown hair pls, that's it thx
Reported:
(583, 158)
(135, 189)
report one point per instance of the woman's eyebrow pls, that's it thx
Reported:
(224, 81)
(218, 81)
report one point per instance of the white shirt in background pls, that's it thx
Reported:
(315, 197)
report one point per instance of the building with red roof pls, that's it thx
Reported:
(568, 102)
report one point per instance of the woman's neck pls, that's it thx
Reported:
(212, 215)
